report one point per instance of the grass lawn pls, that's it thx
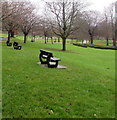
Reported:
(86, 89)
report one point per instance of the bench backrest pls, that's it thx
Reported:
(46, 53)
(15, 43)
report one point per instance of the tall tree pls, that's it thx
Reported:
(64, 14)
(112, 21)
(27, 20)
(92, 19)
(10, 16)
(104, 27)
(6, 9)
(44, 25)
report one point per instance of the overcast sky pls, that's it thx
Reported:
(98, 5)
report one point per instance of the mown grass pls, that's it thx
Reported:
(86, 89)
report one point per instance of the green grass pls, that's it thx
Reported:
(86, 89)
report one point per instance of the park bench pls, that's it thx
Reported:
(47, 58)
(8, 43)
(17, 46)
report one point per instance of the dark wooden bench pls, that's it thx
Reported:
(48, 58)
(8, 43)
(17, 46)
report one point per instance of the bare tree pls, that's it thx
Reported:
(64, 14)
(109, 14)
(44, 26)
(92, 19)
(82, 32)
(7, 10)
(10, 16)
(104, 27)
(27, 20)
(18, 15)
(112, 21)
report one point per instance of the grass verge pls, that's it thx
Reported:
(86, 89)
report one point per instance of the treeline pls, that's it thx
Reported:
(61, 19)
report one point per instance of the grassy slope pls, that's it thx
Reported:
(84, 89)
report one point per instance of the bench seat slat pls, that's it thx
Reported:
(55, 59)
(44, 56)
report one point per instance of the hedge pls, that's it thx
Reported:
(96, 46)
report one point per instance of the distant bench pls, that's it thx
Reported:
(17, 46)
(8, 43)
(47, 58)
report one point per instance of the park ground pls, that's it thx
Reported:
(86, 89)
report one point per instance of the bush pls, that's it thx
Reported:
(82, 45)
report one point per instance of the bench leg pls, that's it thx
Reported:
(19, 48)
(42, 62)
(15, 48)
(56, 64)
(52, 66)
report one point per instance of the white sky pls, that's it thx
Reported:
(98, 5)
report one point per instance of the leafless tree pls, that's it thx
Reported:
(10, 16)
(27, 20)
(64, 14)
(104, 27)
(44, 26)
(92, 19)
(109, 23)
(82, 32)
(7, 10)
(18, 15)
(112, 21)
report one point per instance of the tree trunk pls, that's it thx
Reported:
(64, 44)
(55, 40)
(114, 42)
(91, 39)
(9, 36)
(12, 33)
(51, 40)
(34, 38)
(107, 43)
(45, 40)
(25, 38)
(58, 39)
